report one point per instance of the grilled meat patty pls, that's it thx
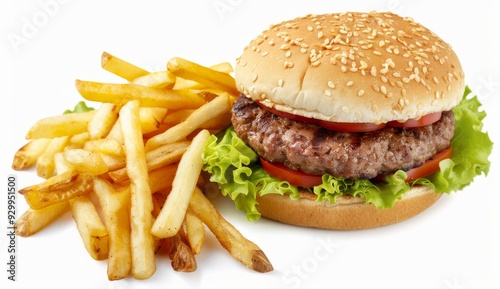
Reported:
(315, 150)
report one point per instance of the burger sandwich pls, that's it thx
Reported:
(348, 121)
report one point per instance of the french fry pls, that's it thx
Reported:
(162, 178)
(181, 256)
(151, 118)
(195, 232)
(142, 243)
(27, 155)
(102, 122)
(61, 125)
(115, 206)
(92, 231)
(106, 146)
(171, 216)
(45, 163)
(211, 110)
(122, 93)
(86, 161)
(57, 189)
(229, 237)
(33, 221)
(60, 164)
(77, 140)
(159, 79)
(155, 159)
(121, 67)
(116, 132)
(203, 75)
(181, 83)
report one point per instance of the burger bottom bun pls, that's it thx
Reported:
(348, 213)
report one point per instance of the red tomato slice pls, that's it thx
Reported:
(356, 127)
(294, 177)
(424, 120)
(429, 167)
(288, 115)
(350, 127)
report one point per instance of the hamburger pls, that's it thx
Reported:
(348, 121)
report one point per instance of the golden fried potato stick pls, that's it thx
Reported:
(106, 146)
(181, 255)
(203, 75)
(171, 216)
(195, 232)
(27, 155)
(115, 206)
(57, 189)
(61, 125)
(45, 163)
(158, 79)
(33, 221)
(102, 122)
(155, 159)
(86, 161)
(92, 231)
(152, 97)
(121, 67)
(162, 178)
(208, 111)
(151, 118)
(142, 243)
(242, 249)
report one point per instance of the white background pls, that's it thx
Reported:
(454, 244)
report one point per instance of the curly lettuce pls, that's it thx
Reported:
(235, 167)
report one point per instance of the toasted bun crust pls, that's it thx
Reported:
(351, 67)
(347, 214)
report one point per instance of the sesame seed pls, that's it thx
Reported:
(285, 46)
(265, 53)
(316, 63)
(328, 93)
(280, 82)
(254, 78)
(345, 109)
(383, 90)
(288, 53)
(331, 84)
(349, 83)
(373, 71)
(310, 28)
(361, 92)
(288, 64)
(320, 34)
(376, 88)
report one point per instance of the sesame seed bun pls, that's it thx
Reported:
(348, 213)
(351, 67)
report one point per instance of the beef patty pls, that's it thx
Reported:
(315, 150)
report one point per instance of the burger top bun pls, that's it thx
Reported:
(351, 67)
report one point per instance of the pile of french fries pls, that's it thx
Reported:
(130, 170)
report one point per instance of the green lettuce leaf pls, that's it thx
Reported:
(235, 167)
(81, 106)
